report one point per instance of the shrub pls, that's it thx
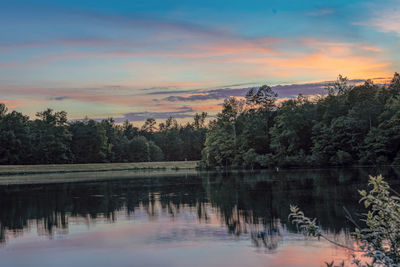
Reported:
(380, 239)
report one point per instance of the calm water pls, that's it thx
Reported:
(204, 219)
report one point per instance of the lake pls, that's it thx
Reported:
(181, 219)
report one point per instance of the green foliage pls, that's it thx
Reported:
(221, 144)
(350, 125)
(51, 138)
(170, 140)
(3, 110)
(380, 239)
(138, 149)
(149, 126)
(15, 139)
(155, 153)
(250, 158)
(219, 148)
(89, 141)
(261, 98)
(305, 225)
(292, 131)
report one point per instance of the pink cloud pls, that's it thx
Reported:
(386, 20)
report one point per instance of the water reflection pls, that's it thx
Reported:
(255, 204)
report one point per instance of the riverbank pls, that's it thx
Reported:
(7, 170)
(53, 178)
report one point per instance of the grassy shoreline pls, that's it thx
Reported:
(9, 170)
(51, 178)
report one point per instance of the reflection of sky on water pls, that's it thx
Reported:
(182, 240)
(239, 219)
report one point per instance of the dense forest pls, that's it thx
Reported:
(350, 124)
(51, 138)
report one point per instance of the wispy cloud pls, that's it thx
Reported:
(181, 113)
(386, 20)
(142, 63)
(284, 91)
(209, 95)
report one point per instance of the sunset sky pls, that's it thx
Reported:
(138, 59)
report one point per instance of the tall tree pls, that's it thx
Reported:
(89, 141)
(15, 139)
(262, 100)
(51, 138)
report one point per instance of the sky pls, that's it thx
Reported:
(131, 60)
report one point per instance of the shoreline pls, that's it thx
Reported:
(52, 178)
(14, 170)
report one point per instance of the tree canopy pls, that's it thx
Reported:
(350, 124)
(51, 138)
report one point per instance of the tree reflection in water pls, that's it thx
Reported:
(251, 203)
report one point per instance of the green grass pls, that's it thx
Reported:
(96, 167)
(66, 177)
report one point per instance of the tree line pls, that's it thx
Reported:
(351, 124)
(52, 139)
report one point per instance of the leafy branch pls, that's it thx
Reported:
(380, 240)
